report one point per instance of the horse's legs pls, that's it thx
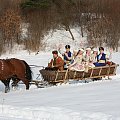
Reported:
(15, 82)
(6, 83)
(17, 79)
(26, 82)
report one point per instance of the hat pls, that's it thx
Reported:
(88, 48)
(95, 49)
(75, 50)
(55, 52)
(81, 50)
(101, 48)
(67, 46)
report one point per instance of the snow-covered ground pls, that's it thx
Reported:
(73, 101)
(76, 101)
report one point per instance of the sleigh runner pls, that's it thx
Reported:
(66, 75)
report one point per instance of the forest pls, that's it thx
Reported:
(26, 22)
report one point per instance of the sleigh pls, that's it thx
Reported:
(66, 75)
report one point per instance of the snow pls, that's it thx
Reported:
(60, 38)
(75, 101)
(92, 101)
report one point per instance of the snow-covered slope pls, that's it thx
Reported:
(62, 37)
(76, 101)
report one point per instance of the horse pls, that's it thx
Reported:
(15, 69)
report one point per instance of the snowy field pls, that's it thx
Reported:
(76, 101)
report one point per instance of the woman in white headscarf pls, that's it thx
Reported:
(94, 55)
(78, 62)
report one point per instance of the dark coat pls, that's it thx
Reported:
(101, 61)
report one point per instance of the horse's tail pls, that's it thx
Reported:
(28, 71)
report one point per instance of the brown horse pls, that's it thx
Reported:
(14, 69)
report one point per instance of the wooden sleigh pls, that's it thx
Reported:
(66, 75)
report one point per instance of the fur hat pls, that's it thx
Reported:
(55, 52)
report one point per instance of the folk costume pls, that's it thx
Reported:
(78, 65)
(101, 58)
(67, 56)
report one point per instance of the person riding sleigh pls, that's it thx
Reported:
(101, 58)
(56, 63)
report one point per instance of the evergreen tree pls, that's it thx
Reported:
(37, 4)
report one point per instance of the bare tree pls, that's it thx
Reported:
(10, 25)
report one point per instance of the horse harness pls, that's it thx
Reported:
(2, 65)
(2, 68)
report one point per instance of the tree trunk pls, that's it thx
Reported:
(68, 28)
